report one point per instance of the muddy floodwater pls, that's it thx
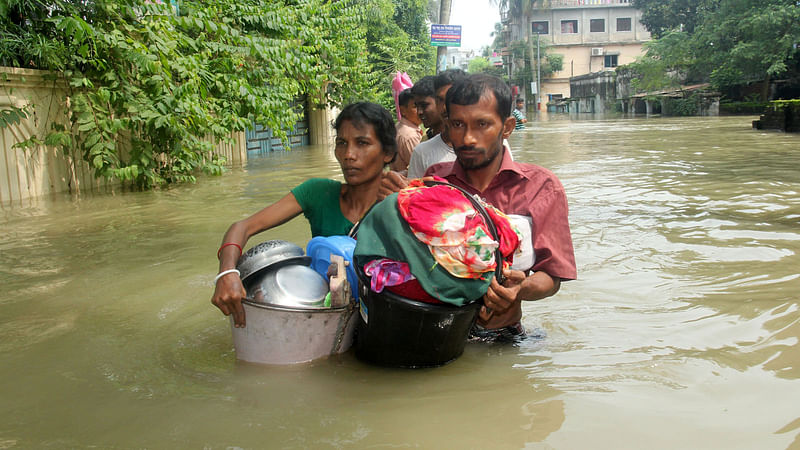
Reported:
(681, 332)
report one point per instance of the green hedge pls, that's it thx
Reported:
(734, 108)
(794, 104)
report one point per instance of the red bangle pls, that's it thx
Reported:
(227, 244)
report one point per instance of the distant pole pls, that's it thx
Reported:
(444, 19)
(538, 75)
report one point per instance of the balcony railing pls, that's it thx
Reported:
(579, 3)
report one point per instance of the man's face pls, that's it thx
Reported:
(520, 105)
(427, 112)
(477, 132)
(441, 94)
(409, 112)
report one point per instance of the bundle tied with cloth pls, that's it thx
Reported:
(430, 243)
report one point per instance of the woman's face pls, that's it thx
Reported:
(359, 152)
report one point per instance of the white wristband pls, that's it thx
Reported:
(225, 272)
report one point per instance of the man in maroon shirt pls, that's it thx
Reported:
(479, 115)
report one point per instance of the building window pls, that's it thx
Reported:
(597, 25)
(623, 24)
(569, 26)
(611, 60)
(542, 27)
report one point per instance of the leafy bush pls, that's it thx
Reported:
(688, 106)
(163, 80)
(733, 108)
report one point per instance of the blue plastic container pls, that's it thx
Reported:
(320, 250)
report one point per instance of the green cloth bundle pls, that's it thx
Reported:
(383, 233)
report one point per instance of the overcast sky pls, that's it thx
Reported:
(477, 19)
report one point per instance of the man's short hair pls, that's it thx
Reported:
(470, 90)
(520, 100)
(447, 77)
(424, 87)
(404, 97)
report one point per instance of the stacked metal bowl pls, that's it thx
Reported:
(277, 273)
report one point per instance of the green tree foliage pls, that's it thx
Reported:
(12, 115)
(478, 64)
(662, 16)
(481, 64)
(746, 41)
(667, 62)
(726, 42)
(550, 62)
(398, 40)
(142, 74)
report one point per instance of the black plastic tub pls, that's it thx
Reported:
(396, 331)
(399, 332)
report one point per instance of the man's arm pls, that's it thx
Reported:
(391, 182)
(519, 116)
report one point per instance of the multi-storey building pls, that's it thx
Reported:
(591, 35)
(458, 58)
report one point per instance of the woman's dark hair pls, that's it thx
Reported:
(470, 90)
(380, 118)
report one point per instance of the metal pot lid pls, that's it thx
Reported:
(294, 286)
(270, 254)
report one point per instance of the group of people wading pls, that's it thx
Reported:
(468, 119)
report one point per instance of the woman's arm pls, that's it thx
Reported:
(229, 291)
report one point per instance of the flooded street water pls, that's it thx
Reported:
(681, 332)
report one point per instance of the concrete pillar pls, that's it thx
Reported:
(713, 109)
(320, 130)
(648, 107)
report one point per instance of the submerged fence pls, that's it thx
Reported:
(38, 170)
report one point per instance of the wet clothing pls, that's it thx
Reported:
(510, 333)
(383, 233)
(456, 232)
(319, 198)
(408, 137)
(536, 194)
(519, 116)
(385, 272)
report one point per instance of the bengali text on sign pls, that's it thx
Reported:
(445, 35)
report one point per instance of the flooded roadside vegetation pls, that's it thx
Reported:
(681, 329)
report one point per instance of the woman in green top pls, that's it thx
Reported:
(365, 143)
